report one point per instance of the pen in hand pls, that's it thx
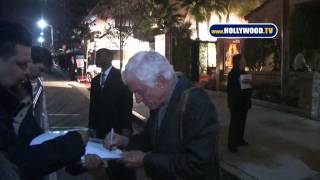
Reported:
(111, 138)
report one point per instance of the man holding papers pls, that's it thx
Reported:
(180, 138)
(17, 123)
(239, 102)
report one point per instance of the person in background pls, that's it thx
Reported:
(269, 63)
(180, 140)
(110, 107)
(239, 102)
(299, 62)
(41, 62)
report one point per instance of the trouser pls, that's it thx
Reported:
(237, 126)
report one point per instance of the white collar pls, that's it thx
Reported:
(106, 72)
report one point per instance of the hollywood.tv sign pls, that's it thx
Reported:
(251, 30)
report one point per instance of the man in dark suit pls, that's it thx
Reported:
(110, 106)
(180, 140)
(239, 102)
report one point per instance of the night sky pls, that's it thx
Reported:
(62, 14)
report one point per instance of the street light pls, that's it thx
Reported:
(43, 24)
(41, 40)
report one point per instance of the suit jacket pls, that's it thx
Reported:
(110, 107)
(237, 98)
(36, 161)
(171, 157)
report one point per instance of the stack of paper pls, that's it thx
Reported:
(91, 148)
(245, 81)
(98, 149)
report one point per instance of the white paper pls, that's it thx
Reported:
(98, 149)
(245, 81)
(91, 148)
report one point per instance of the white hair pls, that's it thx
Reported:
(146, 66)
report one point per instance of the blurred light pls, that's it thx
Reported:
(41, 39)
(154, 25)
(42, 23)
(41, 34)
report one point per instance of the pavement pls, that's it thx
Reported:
(67, 103)
(283, 146)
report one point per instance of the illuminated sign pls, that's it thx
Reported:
(252, 30)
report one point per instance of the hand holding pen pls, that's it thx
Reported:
(113, 140)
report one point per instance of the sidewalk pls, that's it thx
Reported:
(283, 146)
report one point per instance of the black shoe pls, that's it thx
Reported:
(243, 143)
(233, 149)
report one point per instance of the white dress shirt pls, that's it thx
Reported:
(104, 76)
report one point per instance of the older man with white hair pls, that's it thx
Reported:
(180, 139)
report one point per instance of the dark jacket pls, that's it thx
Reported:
(237, 98)
(39, 104)
(36, 161)
(8, 170)
(192, 157)
(110, 107)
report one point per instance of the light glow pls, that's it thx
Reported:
(42, 24)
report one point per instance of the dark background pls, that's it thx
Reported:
(63, 15)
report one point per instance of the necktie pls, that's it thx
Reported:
(102, 80)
